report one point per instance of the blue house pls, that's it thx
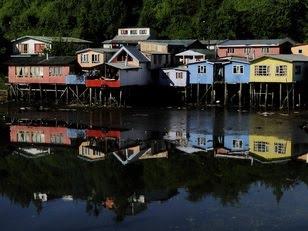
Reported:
(200, 129)
(236, 132)
(207, 72)
(237, 71)
(200, 72)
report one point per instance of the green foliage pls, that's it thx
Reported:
(98, 20)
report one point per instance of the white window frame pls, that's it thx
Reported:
(95, 58)
(230, 50)
(265, 50)
(280, 148)
(247, 50)
(55, 71)
(281, 70)
(237, 144)
(201, 69)
(238, 69)
(260, 146)
(262, 70)
(84, 58)
(179, 75)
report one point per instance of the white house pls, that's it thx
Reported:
(31, 45)
(173, 77)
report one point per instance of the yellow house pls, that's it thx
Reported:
(270, 147)
(93, 57)
(300, 49)
(278, 69)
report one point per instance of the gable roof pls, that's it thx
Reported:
(41, 61)
(256, 42)
(48, 39)
(98, 50)
(133, 51)
(194, 52)
(286, 57)
(237, 59)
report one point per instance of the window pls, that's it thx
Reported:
(124, 32)
(84, 58)
(281, 70)
(143, 32)
(23, 48)
(57, 139)
(247, 51)
(298, 70)
(260, 146)
(179, 75)
(201, 69)
(262, 70)
(39, 48)
(300, 51)
(237, 144)
(55, 71)
(133, 32)
(38, 137)
(201, 141)
(238, 69)
(265, 50)
(280, 148)
(230, 50)
(36, 72)
(95, 58)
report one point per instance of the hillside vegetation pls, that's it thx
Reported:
(98, 20)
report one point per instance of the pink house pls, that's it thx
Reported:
(253, 49)
(39, 135)
(39, 69)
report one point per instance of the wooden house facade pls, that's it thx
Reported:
(254, 48)
(36, 45)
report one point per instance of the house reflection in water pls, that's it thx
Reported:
(275, 140)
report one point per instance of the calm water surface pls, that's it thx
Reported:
(153, 169)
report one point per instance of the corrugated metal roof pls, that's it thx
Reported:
(41, 61)
(48, 39)
(256, 42)
(177, 42)
(212, 42)
(286, 57)
(122, 66)
(136, 53)
(99, 50)
(130, 38)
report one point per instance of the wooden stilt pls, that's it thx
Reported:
(90, 95)
(198, 94)
(226, 94)
(266, 95)
(120, 98)
(280, 95)
(293, 96)
(240, 96)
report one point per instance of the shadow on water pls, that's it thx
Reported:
(126, 160)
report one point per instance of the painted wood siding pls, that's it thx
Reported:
(272, 77)
(300, 50)
(201, 140)
(42, 135)
(267, 149)
(173, 78)
(135, 77)
(200, 78)
(89, 62)
(31, 45)
(235, 78)
(44, 79)
(255, 52)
